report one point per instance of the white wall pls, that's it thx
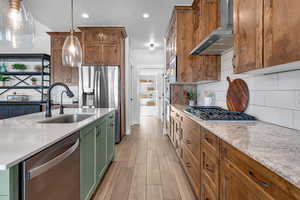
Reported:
(145, 57)
(274, 98)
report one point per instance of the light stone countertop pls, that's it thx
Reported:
(275, 147)
(22, 137)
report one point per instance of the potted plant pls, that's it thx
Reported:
(191, 97)
(34, 80)
(19, 67)
(38, 68)
(4, 79)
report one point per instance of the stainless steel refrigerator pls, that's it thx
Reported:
(100, 88)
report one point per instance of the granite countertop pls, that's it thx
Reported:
(22, 137)
(275, 147)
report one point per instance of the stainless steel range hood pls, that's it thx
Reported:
(219, 41)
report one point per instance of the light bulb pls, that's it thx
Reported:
(72, 49)
(14, 18)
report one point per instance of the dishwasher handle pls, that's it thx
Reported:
(52, 163)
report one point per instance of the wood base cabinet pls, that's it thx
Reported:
(218, 171)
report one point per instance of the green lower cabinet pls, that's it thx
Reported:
(9, 184)
(87, 162)
(101, 159)
(111, 138)
(96, 152)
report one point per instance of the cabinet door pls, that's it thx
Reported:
(92, 53)
(281, 32)
(110, 36)
(248, 31)
(211, 15)
(87, 162)
(111, 137)
(4, 112)
(110, 54)
(235, 186)
(101, 158)
(59, 72)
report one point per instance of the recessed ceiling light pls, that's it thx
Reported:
(146, 15)
(152, 46)
(85, 15)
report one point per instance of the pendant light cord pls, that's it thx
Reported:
(72, 16)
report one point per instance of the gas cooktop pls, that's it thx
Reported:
(217, 113)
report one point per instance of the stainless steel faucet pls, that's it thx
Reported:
(49, 104)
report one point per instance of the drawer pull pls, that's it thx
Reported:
(188, 165)
(209, 140)
(188, 142)
(261, 183)
(210, 169)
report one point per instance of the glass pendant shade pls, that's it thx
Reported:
(17, 26)
(72, 52)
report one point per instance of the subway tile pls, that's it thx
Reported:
(257, 97)
(289, 80)
(281, 99)
(296, 124)
(282, 117)
(297, 99)
(267, 82)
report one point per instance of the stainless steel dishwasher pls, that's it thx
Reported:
(53, 174)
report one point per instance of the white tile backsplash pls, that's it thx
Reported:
(274, 98)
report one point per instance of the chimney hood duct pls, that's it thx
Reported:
(220, 40)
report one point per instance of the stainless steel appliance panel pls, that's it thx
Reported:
(54, 173)
(100, 88)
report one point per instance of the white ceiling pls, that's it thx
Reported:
(128, 13)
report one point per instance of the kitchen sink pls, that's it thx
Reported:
(67, 119)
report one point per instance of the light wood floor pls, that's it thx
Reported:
(145, 168)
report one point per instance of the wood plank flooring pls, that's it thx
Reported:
(145, 168)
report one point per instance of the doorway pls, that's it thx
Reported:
(150, 88)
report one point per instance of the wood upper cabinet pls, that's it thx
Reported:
(266, 33)
(205, 20)
(102, 45)
(281, 32)
(248, 27)
(179, 42)
(111, 54)
(60, 73)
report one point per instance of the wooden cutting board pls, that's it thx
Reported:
(237, 95)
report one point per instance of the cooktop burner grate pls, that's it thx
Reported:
(217, 113)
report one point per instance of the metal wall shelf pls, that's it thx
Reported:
(25, 73)
(22, 77)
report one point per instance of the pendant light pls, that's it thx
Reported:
(17, 26)
(72, 52)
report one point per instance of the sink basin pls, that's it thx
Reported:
(67, 119)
